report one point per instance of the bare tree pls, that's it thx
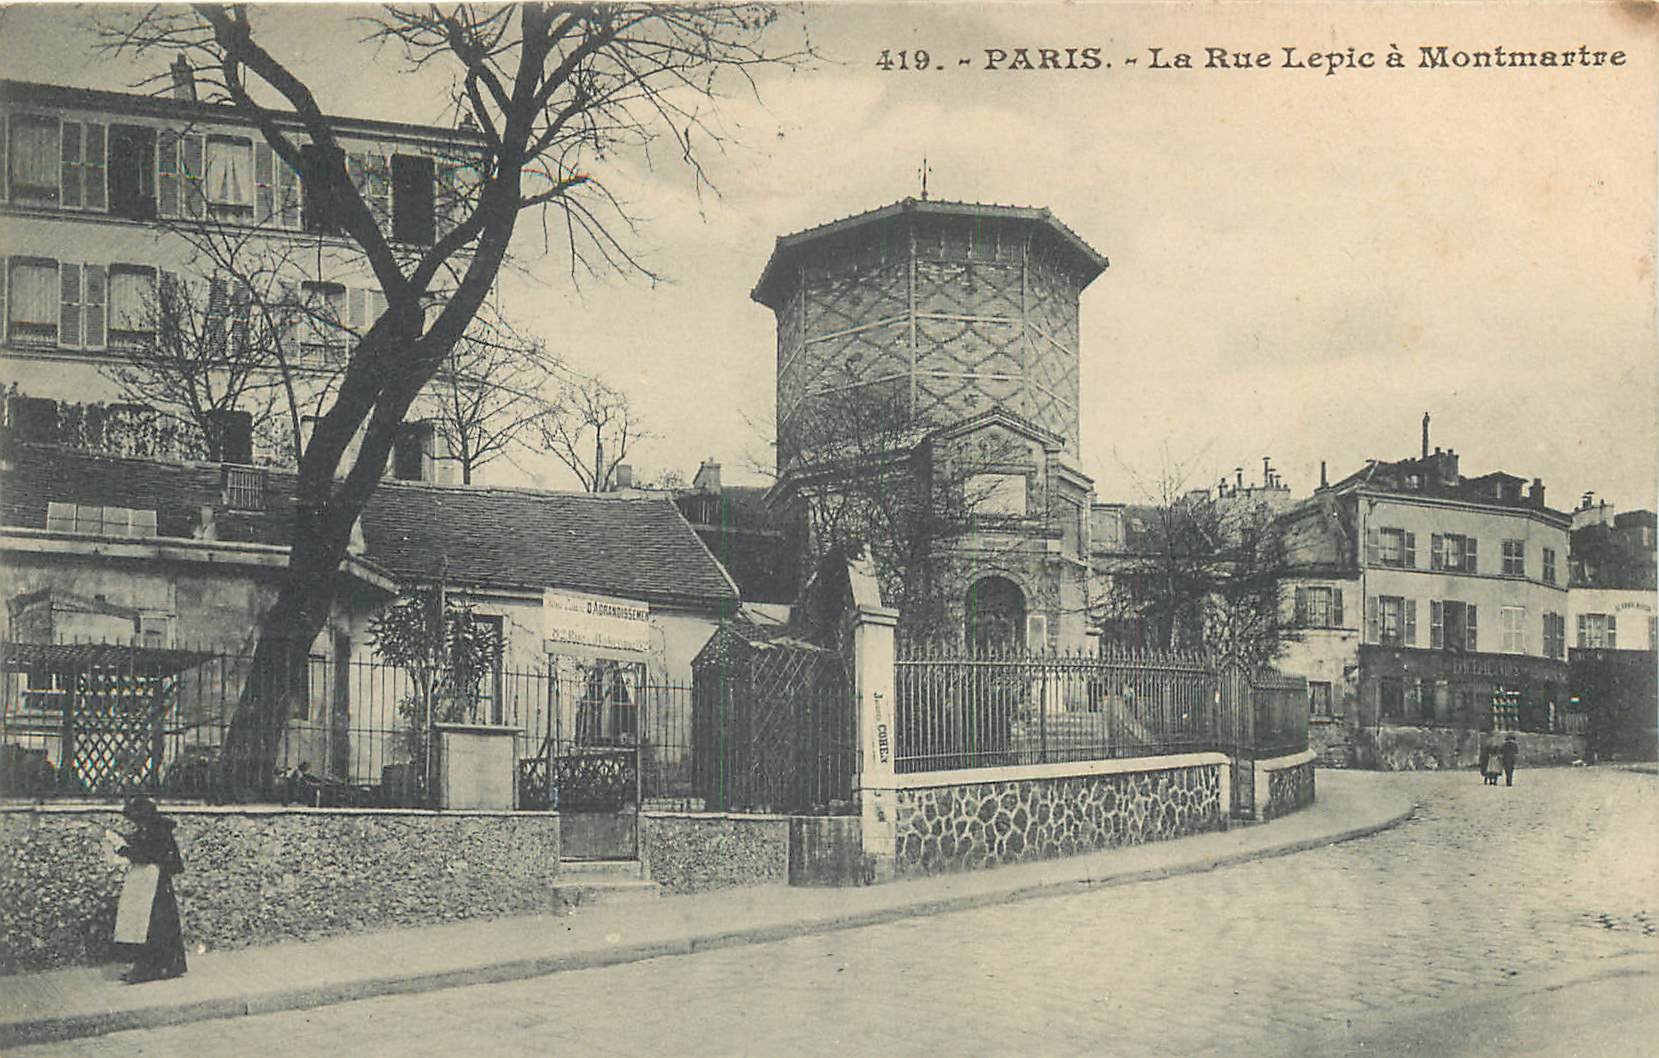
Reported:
(554, 93)
(590, 428)
(1198, 572)
(490, 395)
(867, 477)
(225, 333)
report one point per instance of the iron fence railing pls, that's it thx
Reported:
(986, 710)
(105, 720)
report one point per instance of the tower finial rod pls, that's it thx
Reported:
(923, 173)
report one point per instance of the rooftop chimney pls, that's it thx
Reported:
(1537, 493)
(184, 80)
(1323, 482)
(1425, 435)
(624, 476)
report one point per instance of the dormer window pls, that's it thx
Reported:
(1414, 481)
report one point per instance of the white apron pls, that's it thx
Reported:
(138, 896)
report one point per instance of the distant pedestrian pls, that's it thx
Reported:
(147, 921)
(1488, 764)
(1511, 750)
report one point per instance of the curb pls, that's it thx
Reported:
(56, 1029)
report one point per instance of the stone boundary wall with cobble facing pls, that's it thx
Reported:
(262, 875)
(971, 825)
(1290, 786)
(693, 852)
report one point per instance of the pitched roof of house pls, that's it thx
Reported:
(510, 538)
(1435, 476)
(637, 547)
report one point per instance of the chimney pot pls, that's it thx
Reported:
(1426, 435)
(1323, 481)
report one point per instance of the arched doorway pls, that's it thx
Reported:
(994, 616)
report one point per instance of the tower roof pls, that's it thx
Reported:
(1088, 262)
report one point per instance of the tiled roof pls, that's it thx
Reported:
(521, 538)
(640, 548)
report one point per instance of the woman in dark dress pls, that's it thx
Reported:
(162, 955)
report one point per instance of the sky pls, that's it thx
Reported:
(1303, 261)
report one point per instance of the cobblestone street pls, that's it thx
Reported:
(1487, 893)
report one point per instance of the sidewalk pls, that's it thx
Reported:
(67, 1004)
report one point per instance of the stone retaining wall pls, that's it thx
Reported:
(693, 852)
(970, 825)
(1392, 748)
(1289, 789)
(261, 875)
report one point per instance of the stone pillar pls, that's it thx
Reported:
(873, 657)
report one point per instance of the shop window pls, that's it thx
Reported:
(1391, 698)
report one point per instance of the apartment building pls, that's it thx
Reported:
(1422, 596)
(122, 213)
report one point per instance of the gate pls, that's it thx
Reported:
(1235, 718)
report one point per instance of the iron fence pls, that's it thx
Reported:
(986, 710)
(106, 720)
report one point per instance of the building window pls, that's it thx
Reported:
(132, 172)
(33, 304)
(33, 159)
(413, 216)
(1319, 607)
(1452, 626)
(1391, 620)
(1555, 636)
(1393, 547)
(100, 521)
(1514, 629)
(1549, 565)
(1454, 552)
(322, 213)
(228, 177)
(1598, 631)
(244, 489)
(1319, 699)
(155, 631)
(132, 306)
(324, 336)
(1515, 558)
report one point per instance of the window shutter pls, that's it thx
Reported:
(287, 194)
(190, 170)
(69, 305)
(5, 278)
(93, 298)
(1411, 551)
(1612, 632)
(1301, 606)
(412, 199)
(264, 182)
(1437, 551)
(1472, 643)
(1373, 546)
(1471, 563)
(167, 173)
(1583, 631)
(1411, 623)
(1336, 608)
(5, 171)
(1371, 619)
(69, 193)
(97, 191)
(1437, 624)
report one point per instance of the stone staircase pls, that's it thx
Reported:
(584, 883)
